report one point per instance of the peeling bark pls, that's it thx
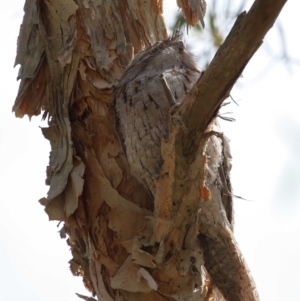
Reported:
(125, 245)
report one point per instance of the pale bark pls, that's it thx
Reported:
(124, 245)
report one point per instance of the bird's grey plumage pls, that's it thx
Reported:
(142, 108)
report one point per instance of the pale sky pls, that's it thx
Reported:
(265, 142)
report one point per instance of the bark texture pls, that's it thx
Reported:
(125, 245)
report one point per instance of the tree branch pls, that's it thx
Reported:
(204, 101)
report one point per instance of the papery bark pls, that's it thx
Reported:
(125, 245)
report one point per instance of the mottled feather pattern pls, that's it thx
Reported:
(142, 106)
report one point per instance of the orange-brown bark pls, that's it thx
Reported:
(125, 245)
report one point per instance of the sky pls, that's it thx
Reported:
(265, 144)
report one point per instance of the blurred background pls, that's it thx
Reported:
(265, 144)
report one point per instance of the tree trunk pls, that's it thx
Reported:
(125, 244)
